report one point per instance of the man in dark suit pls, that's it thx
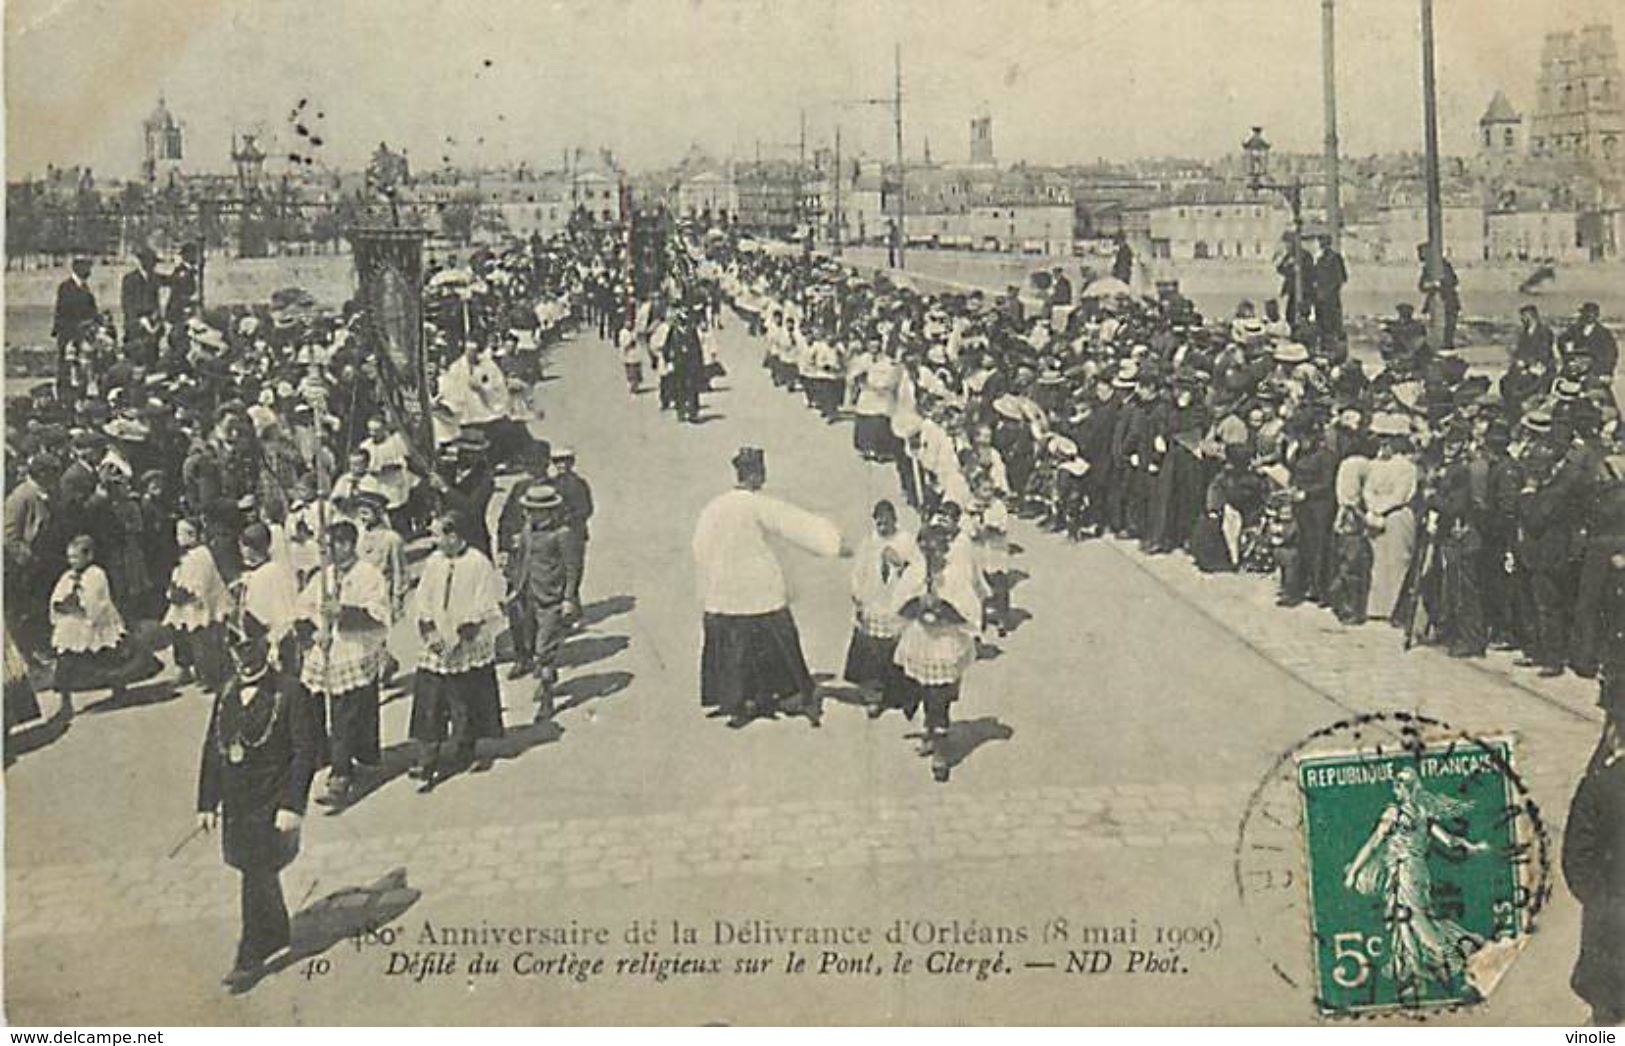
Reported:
(259, 755)
(1589, 338)
(578, 509)
(1326, 289)
(1533, 367)
(1593, 860)
(185, 282)
(1290, 260)
(138, 296)
(1444, 294)
(687, 361)
(1550, 511)
(75, 309)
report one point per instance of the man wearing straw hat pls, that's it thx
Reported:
(541, 573)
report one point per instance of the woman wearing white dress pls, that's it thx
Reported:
(1390, 487)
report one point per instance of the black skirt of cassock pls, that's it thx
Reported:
(432, 695)
(751, 657)
(870, 660)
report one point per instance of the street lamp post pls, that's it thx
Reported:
(1256, 149)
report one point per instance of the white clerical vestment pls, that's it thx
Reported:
(739, 570)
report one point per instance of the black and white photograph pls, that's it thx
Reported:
(814, 513)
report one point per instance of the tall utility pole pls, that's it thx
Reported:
(1334, 193)
(897, 121)
(1435, 245)
(835, 231)
(800, 179)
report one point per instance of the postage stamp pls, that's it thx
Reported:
(1410, 855)
(1415, 873)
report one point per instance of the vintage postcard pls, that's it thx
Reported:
(814, 513)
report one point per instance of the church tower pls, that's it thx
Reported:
(1500, 132)
(164, 146)
(981, 140)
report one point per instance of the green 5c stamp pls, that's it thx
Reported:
(1410, 852)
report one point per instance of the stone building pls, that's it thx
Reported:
(1578, 113)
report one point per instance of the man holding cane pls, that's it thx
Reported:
(259, 755)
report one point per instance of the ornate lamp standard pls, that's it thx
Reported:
(1256, 149)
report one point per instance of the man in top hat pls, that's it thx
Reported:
(342, 620)
(752, 657)
(540, 568)
(138, 299)
(578, 510)
(1588, 338)
(260, 752)
(74, 312)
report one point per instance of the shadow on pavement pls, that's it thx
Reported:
(577, 691)
(967, 736)
(392, 763)
(344, 914)
(39, 735)
(605, 609)
(157, 692)
(1018, 617)
(590, 649)
(515, 742)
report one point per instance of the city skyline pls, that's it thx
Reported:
(517, 83)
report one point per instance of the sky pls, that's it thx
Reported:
(498, 81)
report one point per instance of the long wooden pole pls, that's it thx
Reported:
(1435, 206)
(1334, 190)
(902, 177)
